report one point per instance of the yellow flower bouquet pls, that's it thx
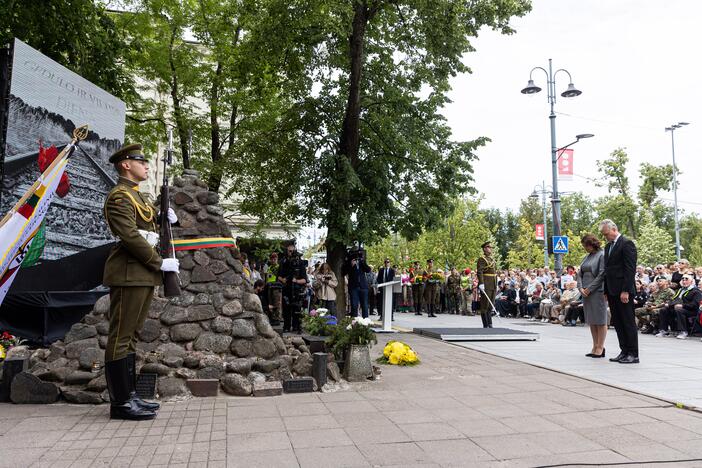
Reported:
(398, 354)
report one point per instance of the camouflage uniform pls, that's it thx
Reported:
(647, 316)
(453, 288)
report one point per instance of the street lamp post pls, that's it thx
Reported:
(543, 190)
(571, 91)
(672, 129)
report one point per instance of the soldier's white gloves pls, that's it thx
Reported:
(481, 287)
(170, 264)
(172, 218)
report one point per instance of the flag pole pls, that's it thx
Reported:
(79, 134)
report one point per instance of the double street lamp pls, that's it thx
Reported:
(672, 129)
(571, 91)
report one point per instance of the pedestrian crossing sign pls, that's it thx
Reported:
(560, 244)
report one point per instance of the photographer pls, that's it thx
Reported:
(355, 267)
(325, 281)
(293, 275)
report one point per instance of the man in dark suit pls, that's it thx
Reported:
(385, 274)
(619, 286)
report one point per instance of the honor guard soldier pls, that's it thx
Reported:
(416, 280)
(132, 270)
(487, 283)
(431, 288)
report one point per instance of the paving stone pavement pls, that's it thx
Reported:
(460, 407)
(670, 369)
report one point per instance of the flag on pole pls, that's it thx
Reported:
(565, 164)
(23, 222)
(539, 232)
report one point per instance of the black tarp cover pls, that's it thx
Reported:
(46, 299)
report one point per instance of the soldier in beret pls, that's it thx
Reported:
(132, 270)
(487, 283)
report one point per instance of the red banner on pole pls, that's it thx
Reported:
(565, 164)
(539, 232)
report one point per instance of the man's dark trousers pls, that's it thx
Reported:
(359, 297)
(624, 323)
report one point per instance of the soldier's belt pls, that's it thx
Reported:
(150, 237)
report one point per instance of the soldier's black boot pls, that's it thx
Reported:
(131, 363)
(122, 405)
(431, 310)
(482, 317)
(489, 320)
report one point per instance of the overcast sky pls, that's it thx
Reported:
(637, 64)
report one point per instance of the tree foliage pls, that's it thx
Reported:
(455, 244)
(619, 205)
(526, 252)
(653, 180)
(79, 34)
(654, 244)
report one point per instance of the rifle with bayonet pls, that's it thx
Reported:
(171, 280)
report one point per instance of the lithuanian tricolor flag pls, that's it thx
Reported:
(203, 243)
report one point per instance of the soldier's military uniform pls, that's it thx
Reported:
(417, 284)
(274, 289)
(453, 289)
(431, 289)
(647, 316)
(487, 276)
(132, 270)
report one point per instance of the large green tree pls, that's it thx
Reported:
(376, 156)
(619, 205)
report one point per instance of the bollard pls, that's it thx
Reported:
(11, 367)
(319, 369)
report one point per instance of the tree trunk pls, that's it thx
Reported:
(214, 180)
(215, 148)
(177, 110)
(338, 224)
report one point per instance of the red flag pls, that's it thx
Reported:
(46, 157)
(565, 164)
(539, 231)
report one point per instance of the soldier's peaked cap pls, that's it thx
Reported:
(133, 151)
(485, 244)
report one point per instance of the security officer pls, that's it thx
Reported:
(416, 279)
(292, 274)
(132, 270)
(431, 289)
(487, 283)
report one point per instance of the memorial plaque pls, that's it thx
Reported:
(146, 385)
(299, 385)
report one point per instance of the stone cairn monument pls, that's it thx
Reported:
(215, 330)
